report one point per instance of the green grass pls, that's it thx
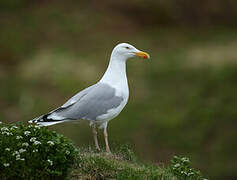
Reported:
(119, 165)
(104, 166)
(123, 164)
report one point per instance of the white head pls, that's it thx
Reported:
(125, 51)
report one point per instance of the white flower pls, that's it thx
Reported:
(177, 165)
(36, 143)
(184, 172)
(67, 152)
(35, 150)
(19, 137)
(7, 133)
(50, 162)
(184, 159)
(18, 157)
(50, 143)
(33, 139)
(14, 127)
(25, 144)
(22, 159)
(7, 149)
(30, 126)
(21, 150)
(15, 153)
(6, 164)
(0, 122)
(37, 127)
(4, 129)
(27, 133)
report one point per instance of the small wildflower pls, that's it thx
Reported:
(35, 150)
(22, 150)
(19, 137)
(67, 152)
(177, 165)
(22, 159)
(36, 143)
(50, 162)
(50, 143)
(4, 129)
(37, 127)
(30, 126)
(18, 157)
(25, 144)
(7, 149)
(0, 122)
(5, 132)
(27, 133)
(191, 173)
(6, 164)
(15, 153)
(33, 139)
(184, 159)
(14, 127)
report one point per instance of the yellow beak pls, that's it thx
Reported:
(142, 54)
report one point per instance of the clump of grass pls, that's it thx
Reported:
(123, 164)
(181, 168)
(120, 165)
(125, 152)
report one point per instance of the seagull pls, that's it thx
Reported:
(100, 102)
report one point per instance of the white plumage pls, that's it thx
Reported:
(102, 101)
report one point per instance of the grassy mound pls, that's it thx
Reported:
(92, 165)
(124, 165)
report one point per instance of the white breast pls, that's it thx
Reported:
(121, 90)
(115, 76)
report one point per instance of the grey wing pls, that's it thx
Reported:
(97, 101)
(77, 97)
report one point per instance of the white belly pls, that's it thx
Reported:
(121, 91)
(112, 113)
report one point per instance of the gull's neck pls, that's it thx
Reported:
(115, 74)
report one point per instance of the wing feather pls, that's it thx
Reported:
(89, 103)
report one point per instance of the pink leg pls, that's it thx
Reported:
(95, 138)
(106, 140)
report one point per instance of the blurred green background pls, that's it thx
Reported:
(183, 101)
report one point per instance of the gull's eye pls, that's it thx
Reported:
(127, 47)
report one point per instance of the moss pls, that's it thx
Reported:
(93, 165)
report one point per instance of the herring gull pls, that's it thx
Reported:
(100, 102)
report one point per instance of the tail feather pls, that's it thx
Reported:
(45, 121)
